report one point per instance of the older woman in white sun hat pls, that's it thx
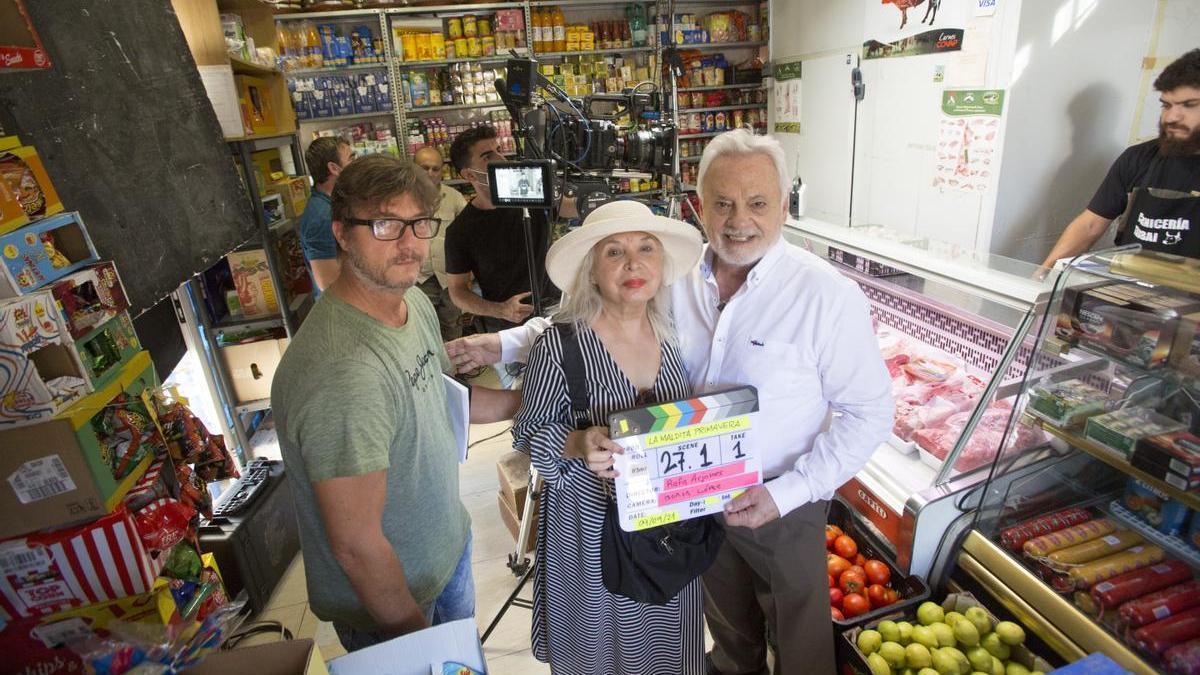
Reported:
(614, 272)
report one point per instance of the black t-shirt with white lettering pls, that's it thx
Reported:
(490, 244)
(1141, 165)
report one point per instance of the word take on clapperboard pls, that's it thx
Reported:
(684, 459)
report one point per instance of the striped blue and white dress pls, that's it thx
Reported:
(578, 626)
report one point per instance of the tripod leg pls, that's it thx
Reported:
(512, 599)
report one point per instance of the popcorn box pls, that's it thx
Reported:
(44, 251)
(40, 372)
(26, 192)
(46, 573)
(252, 279)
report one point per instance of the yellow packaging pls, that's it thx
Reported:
(454, 28)
(587, 41)
(25, 188)
(409, 41)
(487, 45)
(572, 42)
(470, 28)
(484, 27)
(437, 45)
(460, 48)
(424, 47)
(473, 48)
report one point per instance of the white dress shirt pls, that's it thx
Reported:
(799, 332)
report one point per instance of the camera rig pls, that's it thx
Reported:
(584, 136)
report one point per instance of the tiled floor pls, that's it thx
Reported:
(507, 650)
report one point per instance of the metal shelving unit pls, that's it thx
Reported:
(724, 108)
(203, 334)
(723, 87)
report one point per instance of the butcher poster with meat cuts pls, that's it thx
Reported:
(968, 138)
(912, 27)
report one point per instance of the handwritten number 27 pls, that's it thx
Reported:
(671, 461)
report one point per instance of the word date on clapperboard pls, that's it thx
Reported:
(684, 459)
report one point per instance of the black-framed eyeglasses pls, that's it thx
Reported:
(391, 229)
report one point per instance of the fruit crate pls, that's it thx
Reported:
(913, 589)
(853, 659)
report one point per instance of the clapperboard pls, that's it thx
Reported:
(684, 459)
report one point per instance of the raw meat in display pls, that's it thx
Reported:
(981, 448)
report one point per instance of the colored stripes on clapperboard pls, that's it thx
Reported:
(666, 416)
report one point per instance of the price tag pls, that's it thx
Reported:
(684, 459)
(41, 478)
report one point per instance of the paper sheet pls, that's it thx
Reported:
(458, 402)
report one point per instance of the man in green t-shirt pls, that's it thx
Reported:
(363, 423)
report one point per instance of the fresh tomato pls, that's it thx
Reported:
(877, 572)
(836, 564)
(845, 547)
(860, 570)
(877, 594)
(860, 559)
(855, 604)
(831, 534)
(832, 581)
(836, 614)
(891, 595)
(835, 597)
(851, 582)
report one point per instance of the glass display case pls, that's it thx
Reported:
(954, 328)
(1089, 535)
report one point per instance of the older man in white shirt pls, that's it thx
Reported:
(758, 310)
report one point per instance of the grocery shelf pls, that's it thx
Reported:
(249, 324)
(1118, 462)
(260, 137)
(249, 68)
(452, 9)
(723, 87)
(1048, 614)
(596, 52)
(689, 160)
(707, 46)
(252, 406)
(412, 65)
(333, 70)
(723, 108)
(702, 134)
(354, 116)
(457, 106)
(584, 3)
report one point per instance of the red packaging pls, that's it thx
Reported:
(46, 573)
(1161, 604)
(1015, 537)
(1160, 636)
(1130, 585)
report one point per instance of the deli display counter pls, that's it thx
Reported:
(1090, 535)
(955, 330)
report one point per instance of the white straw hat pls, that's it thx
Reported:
(681, 242)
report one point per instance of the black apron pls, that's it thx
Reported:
(1162, 220)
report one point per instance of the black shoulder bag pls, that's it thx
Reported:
(651, 565)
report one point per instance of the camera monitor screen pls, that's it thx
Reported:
(528, 184)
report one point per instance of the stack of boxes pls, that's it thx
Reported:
(322, 96)
(79, 432)
(513, 469)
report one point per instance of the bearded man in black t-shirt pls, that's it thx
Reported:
(486, 244)
(1155, 184)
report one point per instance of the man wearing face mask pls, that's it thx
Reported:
(758, 310)
(486, 244)
(1156, 184)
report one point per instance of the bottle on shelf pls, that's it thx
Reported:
(539, 42)
(626, 38)
(312, 44)
(285, 45)
(559, 26)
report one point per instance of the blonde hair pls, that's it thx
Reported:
(743, 142)
(581, 303)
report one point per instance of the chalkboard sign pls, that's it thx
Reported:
(128, 136)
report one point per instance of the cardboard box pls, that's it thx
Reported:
(26, 192)
(292, 657)
(258, 109)
(59, 466)
(513, 471)
(294, 192)
(419, 653)
(1128, 322)
(35, 351)
(252, 279)
(512, 520)
(90, 297)
(105, 350)
(251, 367)
(48, 573)
(43, 251)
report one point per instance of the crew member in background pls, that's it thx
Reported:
(758, 310)
(326, 157)
(364, 427)
(433, 279)
(1156, 184)
(486, 244)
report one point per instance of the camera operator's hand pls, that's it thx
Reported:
(514, 309)
(473, 351)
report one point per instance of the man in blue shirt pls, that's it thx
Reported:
(325, 157)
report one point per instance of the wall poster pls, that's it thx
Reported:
(913, 27)
(967, 139)
(787, 98)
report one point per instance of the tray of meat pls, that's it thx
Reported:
(936, 443)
